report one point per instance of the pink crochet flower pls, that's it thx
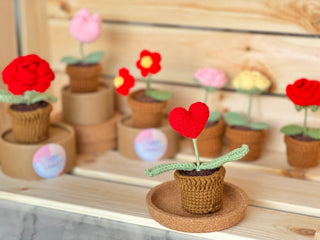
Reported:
(210, 77)
(85, 27)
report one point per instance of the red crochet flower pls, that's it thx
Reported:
(149, 63)
(123, 82)
(304, 92)
(189, 123)
(27, 73)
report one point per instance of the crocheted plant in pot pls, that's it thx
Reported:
(84, 71)
(201, 184)
(240, 129)
(27, 78)
(303, 143)
(211, 138)
(147, 105)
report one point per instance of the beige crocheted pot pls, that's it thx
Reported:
(84, 78)
(201, 194)
(30, 126)
(210, 140)
(146, 114)
(253, 138)
(302, 154)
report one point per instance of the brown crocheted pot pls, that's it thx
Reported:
(30, 126)
(146, 114)
(253, 138)
(302, 154)
(210, 140)
(84, 78)
(201, 194)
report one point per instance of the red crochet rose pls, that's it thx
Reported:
(123, 82)
(27, 73)
(304, 92)
(149, 63)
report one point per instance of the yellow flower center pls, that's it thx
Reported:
(118, 81)
(146, 62)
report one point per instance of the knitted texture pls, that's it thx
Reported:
(210, 140)
(201, 194)
(145, 114)
(189, 123)
(302, 154)
(149, 63)
(304, 92)
(27, 73)
(254, 140)
(30, 126)
(84, 78)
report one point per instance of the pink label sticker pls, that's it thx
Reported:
(49, 160)
(151, 144)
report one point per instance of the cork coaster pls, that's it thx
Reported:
(164, 205)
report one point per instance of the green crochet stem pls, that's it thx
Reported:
(231, 156)
(249, 108)
(28, 97)
(304, 133)
(194, 140)
(83, 56)
(148, 88)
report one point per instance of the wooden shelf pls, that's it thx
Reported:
(113, 187)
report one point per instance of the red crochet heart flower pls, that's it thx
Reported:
(189, 123)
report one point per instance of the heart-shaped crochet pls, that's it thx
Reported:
(189, 123)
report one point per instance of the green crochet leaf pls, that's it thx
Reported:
(259, 125)
(291, 130)
(160, 95)
(235, 119)
(298, 107)
(314, 108)
(252, 91)
(169, 166)
(70, 60)
(236, 154)
(214, 116)
(28, 97)
(195, 80)
(94, 57)
(314, 133)
(210, 89)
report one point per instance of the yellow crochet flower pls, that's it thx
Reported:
(248, 80)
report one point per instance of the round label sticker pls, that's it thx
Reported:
(49, 161)
(150, 144)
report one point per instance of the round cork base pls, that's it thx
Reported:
(16, 158)
(127, 134)
(164, 205)
(88, 108)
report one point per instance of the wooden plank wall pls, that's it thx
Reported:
(279, 38)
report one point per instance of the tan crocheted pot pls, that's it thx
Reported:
(201, 194)
(30, 126)
(84, 78)
(210, 140)
(302, 154)
(253, 138)
(146, 114)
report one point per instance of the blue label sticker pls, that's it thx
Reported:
(150, 144)
(49, 160)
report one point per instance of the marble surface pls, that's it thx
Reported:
(26, 222)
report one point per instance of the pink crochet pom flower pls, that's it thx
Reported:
(210, 77)
(85, 27)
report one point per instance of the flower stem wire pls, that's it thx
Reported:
(194, 140)
(304, 133)
(81, 51)
(249, 107)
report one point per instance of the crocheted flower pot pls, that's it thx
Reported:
(30, 126)
(210, 140)
(302, 154)
(84, 78)
(253, 138)
(201, 194)
(146, 114)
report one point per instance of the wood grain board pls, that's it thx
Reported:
(283, 59)
(285, 16)
(125, 202)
